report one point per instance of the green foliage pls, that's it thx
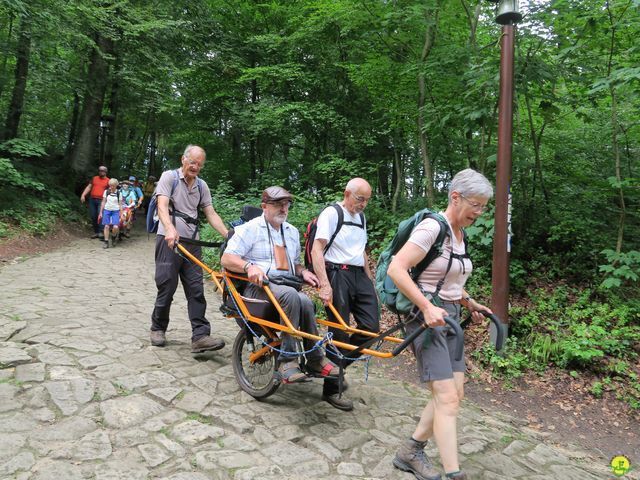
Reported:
(570, 329)
(622, 269)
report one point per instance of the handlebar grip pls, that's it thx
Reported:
(499, 330)
(459, 337)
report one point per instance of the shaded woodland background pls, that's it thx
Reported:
(307, 94)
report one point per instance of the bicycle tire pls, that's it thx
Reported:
(257, 379)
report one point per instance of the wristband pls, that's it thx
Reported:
(467, 299)
(246, 266)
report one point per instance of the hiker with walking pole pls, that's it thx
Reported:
(437, 293)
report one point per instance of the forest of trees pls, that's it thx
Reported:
(308, 93)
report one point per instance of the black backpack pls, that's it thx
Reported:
(312, 227)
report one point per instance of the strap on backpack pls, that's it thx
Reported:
(341, 222)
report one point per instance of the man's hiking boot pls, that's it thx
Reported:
(158, 338)
(95, 235)
(336, 401)
(290, 372)
(410, 457)
(206, 344)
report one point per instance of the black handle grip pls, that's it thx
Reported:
(498, 324)
(452, 323)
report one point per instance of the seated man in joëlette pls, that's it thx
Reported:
(266, 247)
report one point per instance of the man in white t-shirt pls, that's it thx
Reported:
(342, 267)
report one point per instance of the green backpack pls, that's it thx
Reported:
(387, 290)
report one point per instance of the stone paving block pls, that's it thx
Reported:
(350, 469)
(174, 448)
(93, 446)
(349, 439)
(14, 422)
(93, 361)
(164, 395)
(68, 395)
(542, 455)
(517, 447)
(11, 355)
(194, 401)
(63, 372)
(193, 432)
(10, 444)
(260, 473)
(7, 397)
(263, 436)
(21, 462)
(130, 382)
(502, 464)
(159, 378)
(228, 419)
(153, 454)
(188, 476)
(141, 360)
(287, 454)
(121, 470)
(473, 446)
(11, 328)
(81, 344)
(56, 470)
(43, 415)
(207, 383)
(7, 373)
(30, 372)
(164, 420)
(126, 411)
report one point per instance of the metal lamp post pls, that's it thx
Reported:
(508, 14)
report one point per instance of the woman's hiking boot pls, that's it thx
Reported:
(410, 457)
(106, 244)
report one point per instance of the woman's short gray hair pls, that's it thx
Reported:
(470, 183)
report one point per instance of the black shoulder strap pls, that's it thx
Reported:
(338, 226)
(436, 249)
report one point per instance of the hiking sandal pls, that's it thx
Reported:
(323, 368)
(290, 372)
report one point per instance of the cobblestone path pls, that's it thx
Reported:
(84, 396)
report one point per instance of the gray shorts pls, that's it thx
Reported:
(435, 349)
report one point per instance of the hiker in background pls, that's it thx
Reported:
(147, 190)
(95, 189)
(344, 274)
(469, 193)
(111, 213)
(267, 247)
(128, 206)
(180, 194)
(135, 186)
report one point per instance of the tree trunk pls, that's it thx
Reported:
(83, 158)
(398, 177)
(5, 55)
(429, 38)
(73, 127)
(114, 105)
(21, 72)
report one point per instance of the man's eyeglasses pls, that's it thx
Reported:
(281, 203)
(360, 198)
(478, 207)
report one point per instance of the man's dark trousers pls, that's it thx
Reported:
(170, 266)
(94, 211)
(353, 293)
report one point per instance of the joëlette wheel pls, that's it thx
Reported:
(257, 379)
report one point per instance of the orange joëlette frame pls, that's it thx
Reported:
(218, 278)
